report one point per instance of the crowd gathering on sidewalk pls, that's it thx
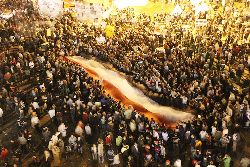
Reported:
(198, 71)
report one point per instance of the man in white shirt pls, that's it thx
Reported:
(116, 160)
(165, 136)
(203, 135)
(22, 140)
(177, 163)
(213, 130)
(35, 105)
(31, 64)
(184, 101)
(70, 102)
(88, 133)
(155, 134)
(1, 116)
(211, 164)
(132, 126)
(88, 130)
(42, 87)
(34, 121)
(248, 118)
(72, 141)
(100, 150)
(62, 129)
(52, 113)
(49, 74)
(187, 134)
(128, 113)
(41, 59)
(78, 103)
(94, 152)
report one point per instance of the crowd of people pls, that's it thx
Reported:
(191, 71)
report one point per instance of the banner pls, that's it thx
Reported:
(200, 22)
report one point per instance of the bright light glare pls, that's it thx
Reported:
(50, 8)
(106, 13)
(121, 4)
(201, 8)
(195, 2)
(177, 10)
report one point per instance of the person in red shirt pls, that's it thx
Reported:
(4, 153)
(108, 139)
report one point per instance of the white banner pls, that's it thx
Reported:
(201, 22)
